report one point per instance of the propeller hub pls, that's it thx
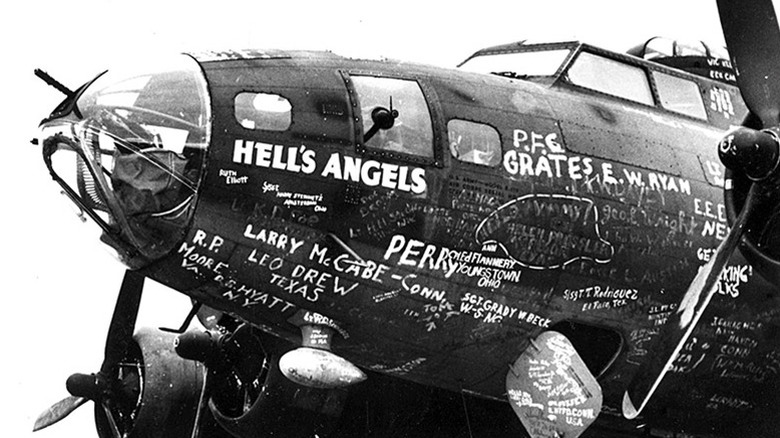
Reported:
(198, 345)
(754, 153)
(89, 386)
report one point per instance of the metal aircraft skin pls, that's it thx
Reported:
(428, 251)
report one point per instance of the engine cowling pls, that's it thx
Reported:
(159, 393)
(283, 408)
(247, 393)
(761, 241)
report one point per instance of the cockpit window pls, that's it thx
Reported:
(610, 77)
(680, 95)
(691, 49)
(132, 154)
(395, 115)
(519, 64)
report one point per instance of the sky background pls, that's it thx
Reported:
(60, 286)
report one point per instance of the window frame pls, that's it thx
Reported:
(640, 70)
(560, 54)
(702, 113)
(498, 145)
(431, 103)
(649, 69)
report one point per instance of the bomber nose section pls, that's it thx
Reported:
(129, 150)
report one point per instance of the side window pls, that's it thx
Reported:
(680, 95)
(395, 115)
(474, 142)
(611, 77)
(263, 111)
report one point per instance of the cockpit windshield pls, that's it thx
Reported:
(518, 64)
(131, 153)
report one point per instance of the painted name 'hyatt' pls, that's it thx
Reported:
(341, 167)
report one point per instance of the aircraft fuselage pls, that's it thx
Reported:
(504, 208)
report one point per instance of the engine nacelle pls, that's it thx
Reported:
(248, 394)
(761, 242)
(160, 392)
(284, 408)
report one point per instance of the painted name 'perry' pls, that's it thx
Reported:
(341, 167)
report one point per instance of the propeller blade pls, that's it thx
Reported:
(681, 323)
(753, 40)
(120, 332)
(93, 386)
(58, 411)
(111, 421)
(202, 405)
